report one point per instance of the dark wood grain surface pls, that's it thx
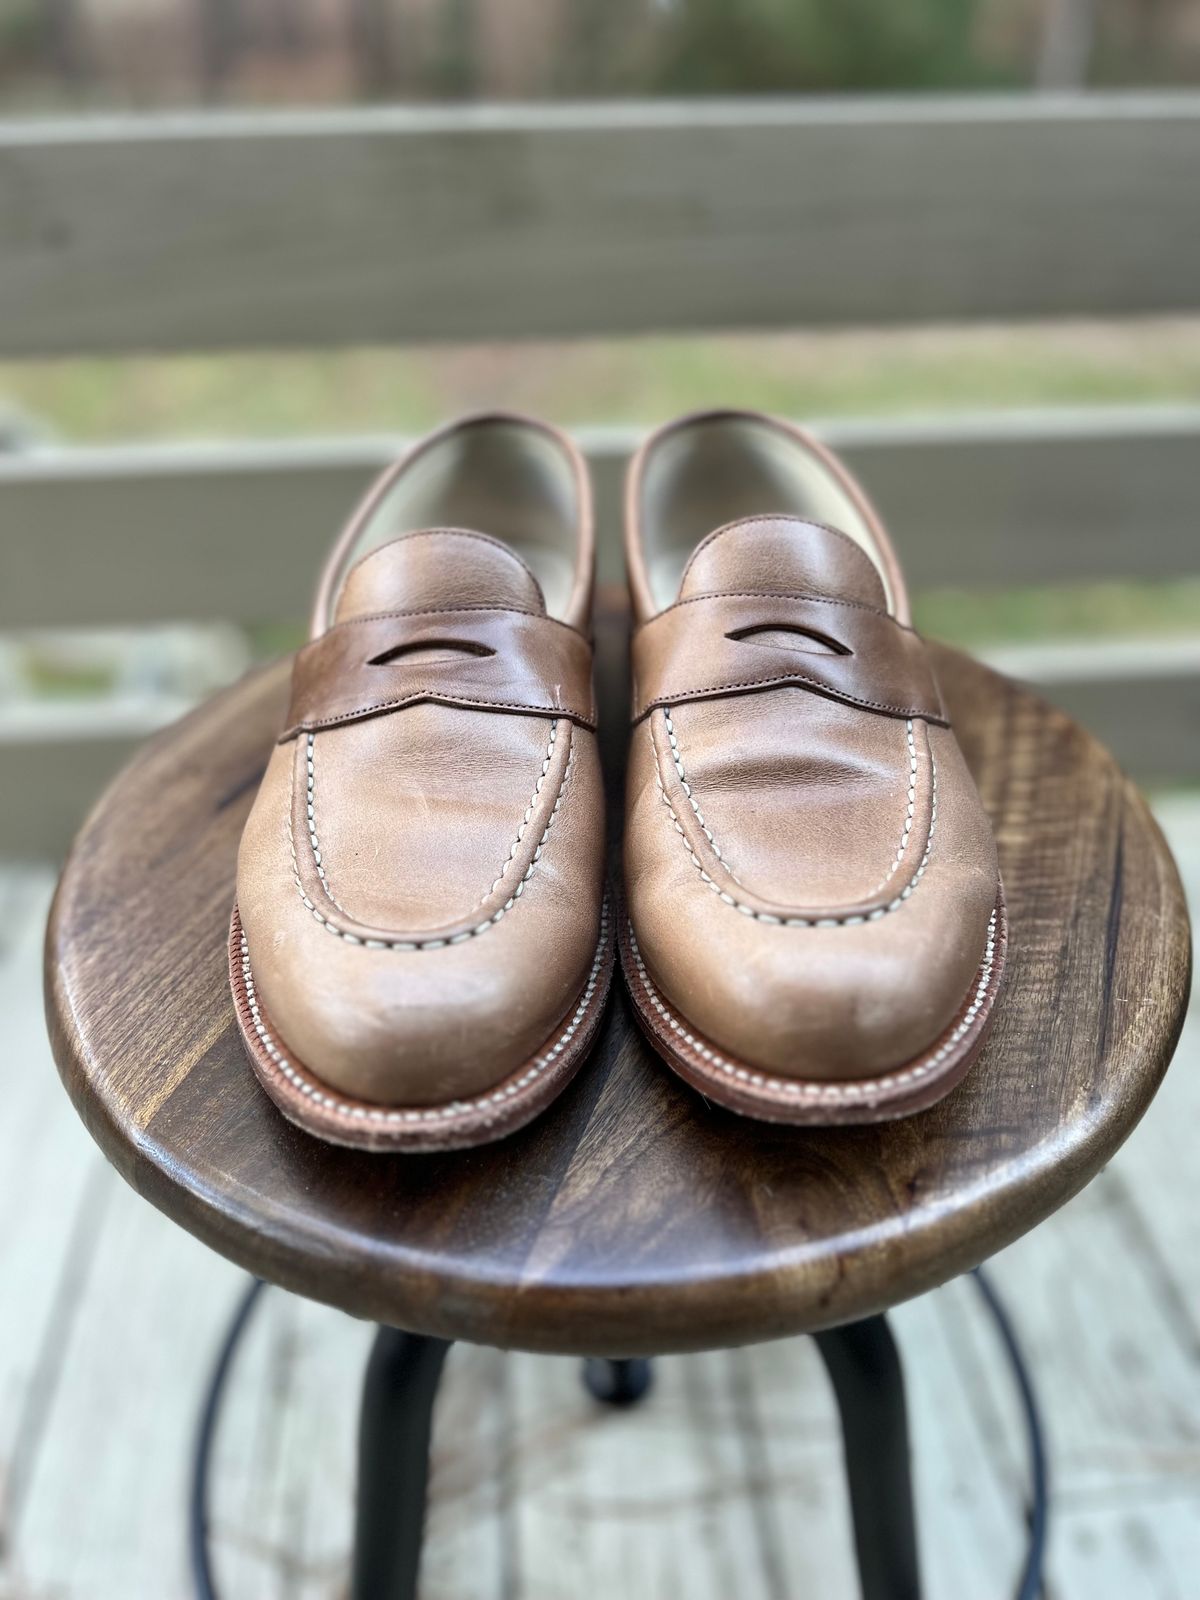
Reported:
(633, 1216)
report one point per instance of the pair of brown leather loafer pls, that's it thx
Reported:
(421, 944)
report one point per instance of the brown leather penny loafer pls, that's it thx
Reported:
(419, 951)
(816, 926)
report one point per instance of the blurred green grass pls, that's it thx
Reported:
(1063, 611)
(811, 374)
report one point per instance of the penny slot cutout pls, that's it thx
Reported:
(789, 637)
(422, 647)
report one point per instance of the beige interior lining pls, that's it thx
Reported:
(505, 478)
(718, 470)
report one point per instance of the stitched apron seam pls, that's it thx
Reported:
(434, 943)
(853, 919)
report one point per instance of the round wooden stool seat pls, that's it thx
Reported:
(633, 1217)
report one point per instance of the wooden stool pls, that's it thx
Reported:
(633, 1218)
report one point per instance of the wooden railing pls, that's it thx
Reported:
(230, 231)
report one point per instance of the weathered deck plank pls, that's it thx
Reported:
(48, 1168)
(105, 1510)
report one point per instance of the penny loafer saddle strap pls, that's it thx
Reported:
(726, 644)
(481, 658)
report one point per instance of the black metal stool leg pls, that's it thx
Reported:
(617, 1383)
(393, 1463)
(864, 1368)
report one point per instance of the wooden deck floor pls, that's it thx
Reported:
(725, 1483)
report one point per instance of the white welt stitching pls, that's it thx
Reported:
(458, 938)
(851, 921)
(856, 1090)
(525, 821)
(456, 1108)
(677, 757)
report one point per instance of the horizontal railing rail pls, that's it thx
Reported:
(130, 535)
(301, 229)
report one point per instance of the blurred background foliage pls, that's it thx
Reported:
(719, 47)
(133, 52)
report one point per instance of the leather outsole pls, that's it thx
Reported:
(770, 1097)
(329, 1114)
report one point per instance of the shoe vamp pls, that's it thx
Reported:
(416, 816)
(805, 799)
